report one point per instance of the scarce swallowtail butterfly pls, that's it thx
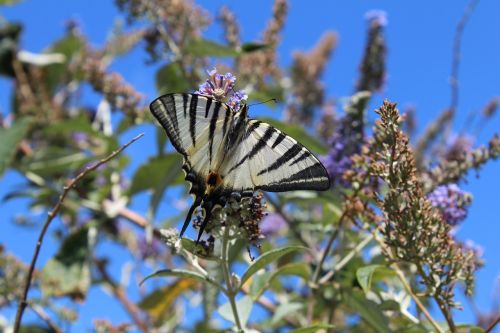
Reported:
(228, 154)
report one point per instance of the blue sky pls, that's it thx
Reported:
(419, 36)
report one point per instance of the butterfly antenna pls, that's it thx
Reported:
(196, 203)
(269, 100)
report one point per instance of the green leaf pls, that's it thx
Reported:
(267, 93)
(252, 47)
(165, 169)
(312, 329)
(244, 306)
(365, 275)
(35, 329)
(203, 47)
(469, 328)
(368, 310)
(10, 138)
(262, 281)
(9, 40)
(70, 45)
(8, 2)
(160, 301)
(52, 160)
(181, 273)
(161, 139)
(299, 134)
(170, 78)
(285, 309)
(68, 273)
(268, 258)
(197, 249)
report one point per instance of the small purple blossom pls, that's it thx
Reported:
(338, 160)
(272, 224)
(235, 100)
(451, 201)
(376, 16)
(222, 86)
(80, 138)
(147, 249)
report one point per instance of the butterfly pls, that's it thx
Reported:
(227, 154)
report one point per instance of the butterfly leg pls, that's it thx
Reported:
(196, 203)
(207, 207)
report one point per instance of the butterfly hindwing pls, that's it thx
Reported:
(270, 160)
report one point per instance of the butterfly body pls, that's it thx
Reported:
(227, 153)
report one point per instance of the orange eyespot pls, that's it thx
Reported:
(214, 179)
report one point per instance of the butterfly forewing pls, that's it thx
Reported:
(270, 160)
(196, 125)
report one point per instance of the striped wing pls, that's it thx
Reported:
(270, 160)
(196, 125)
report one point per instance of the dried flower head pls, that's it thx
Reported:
(308, 90)
(414, 229)
(372, 68)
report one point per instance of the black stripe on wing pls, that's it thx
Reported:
(258, 146)
(314, 177)
(192, 118)
(290, 153)
(164, 110)
(213, 123)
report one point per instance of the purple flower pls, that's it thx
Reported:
(235, 100)
(272, 224)
(451, 201)
(376, 16)
(338, 160)
(149, 250)
(222, 86)
(80, 138)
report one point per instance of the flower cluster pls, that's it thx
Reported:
(222, 86)
(241, 217)
(373, 65)
(451, 201)
(337, 161)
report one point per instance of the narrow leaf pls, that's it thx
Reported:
(268, 258)
(181, 273)
(312, 329)
(243, 306)
(203, 47)
(170, 78)
(285, 309)
(368, 310)
(365, 275)
(10, 138)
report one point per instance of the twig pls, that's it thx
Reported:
(346, 259)
(455, 64)
(492, 325)
(120, 294)
(50, 216)
(45, 317)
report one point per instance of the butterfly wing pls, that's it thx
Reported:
(270, 160)
(196, 126)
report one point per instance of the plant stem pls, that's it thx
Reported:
(231, 293)
(405, 283)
